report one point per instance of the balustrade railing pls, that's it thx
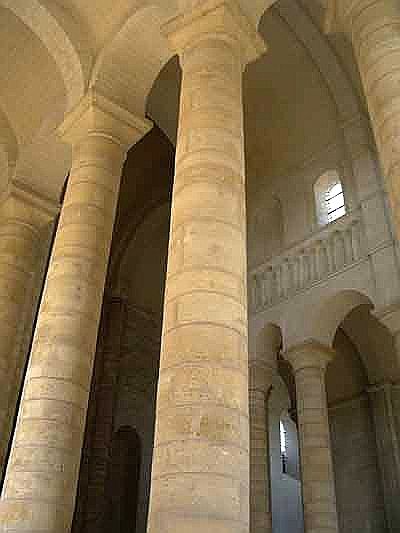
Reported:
(328, 251)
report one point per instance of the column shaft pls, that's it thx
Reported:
(260, 491)
(319, 502)
(374, 28)
(20, 242)
(200, 475)
(42, 473)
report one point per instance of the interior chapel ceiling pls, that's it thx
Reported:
(294, 96)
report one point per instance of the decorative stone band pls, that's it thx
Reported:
(221, 19)
(326, 253)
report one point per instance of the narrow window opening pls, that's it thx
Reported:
(329, 198)
(335, 202)
(284, 457)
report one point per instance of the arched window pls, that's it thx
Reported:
(329, 198)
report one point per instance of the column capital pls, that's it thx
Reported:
(309, 354)
(221, 19)
(96, 115)
(21, 203)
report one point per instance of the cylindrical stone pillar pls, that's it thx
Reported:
(309, 362)
(23, 218)
(200, 474)
(373, 27)
(262, 369)
(260, 490)
(42, 472)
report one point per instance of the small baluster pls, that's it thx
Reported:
(306, 269)
(253, 293)
(356, 240)
(266, 286)
(348, 248)
(302, 270)
(278, 281)
(313, 264)
(271, 285)
(339, 250)
(295, 273)
(329, 247)
(257, 292)
(285, 278)
(291, 275)
(319, 260)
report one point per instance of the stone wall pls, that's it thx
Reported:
(359, 492)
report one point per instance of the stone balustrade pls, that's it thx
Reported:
(326, 252)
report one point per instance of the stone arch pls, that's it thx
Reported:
(126, 68)
(374, 343)
(62, 39)
(323, 317)
(269, 338)
(332, 311)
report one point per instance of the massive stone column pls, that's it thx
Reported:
(23, 217)
(374, 29)
(200, 475)
(42, 471)
(262, 368)
(309, 362)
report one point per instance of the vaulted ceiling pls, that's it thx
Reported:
(295, 96)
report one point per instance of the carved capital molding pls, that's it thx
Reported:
(97, 115)
(309, 354)
(220, 19)
(20, 203)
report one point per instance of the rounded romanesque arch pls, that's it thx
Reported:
(63, 39)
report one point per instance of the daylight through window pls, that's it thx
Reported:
(335, 202)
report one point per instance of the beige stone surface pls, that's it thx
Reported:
(202, 404)
(22, 219)
(303, 116)
(42, 472)
(309, 362)
(262, 371)
(373, 30)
